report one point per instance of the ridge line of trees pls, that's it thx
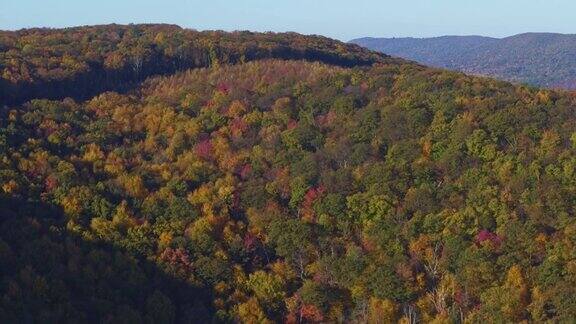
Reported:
(83, 62)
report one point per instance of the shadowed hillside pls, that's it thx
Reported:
(49, 275)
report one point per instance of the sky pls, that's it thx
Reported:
(340, 19)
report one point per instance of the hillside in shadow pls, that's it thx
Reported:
(50, 275)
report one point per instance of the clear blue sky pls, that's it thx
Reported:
(336, 18)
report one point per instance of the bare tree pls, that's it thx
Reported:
(410, 313)
(432, 265)
(438, 298)
(137, 62)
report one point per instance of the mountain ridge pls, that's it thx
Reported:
(80, 62)
(540, 59)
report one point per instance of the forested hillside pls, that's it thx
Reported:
(540, 59)
(84, 61)
(281, 190)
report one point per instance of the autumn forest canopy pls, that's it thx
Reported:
(153, 174)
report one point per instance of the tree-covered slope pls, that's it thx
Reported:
(281, 190)
(435, 51)
(540, 59)
(81, 62)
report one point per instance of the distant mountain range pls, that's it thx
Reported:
(541, 59)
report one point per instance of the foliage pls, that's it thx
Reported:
(282, 190)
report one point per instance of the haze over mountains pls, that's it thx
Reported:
(540, 59)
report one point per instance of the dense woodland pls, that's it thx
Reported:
(282, 190)
(84, 61)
